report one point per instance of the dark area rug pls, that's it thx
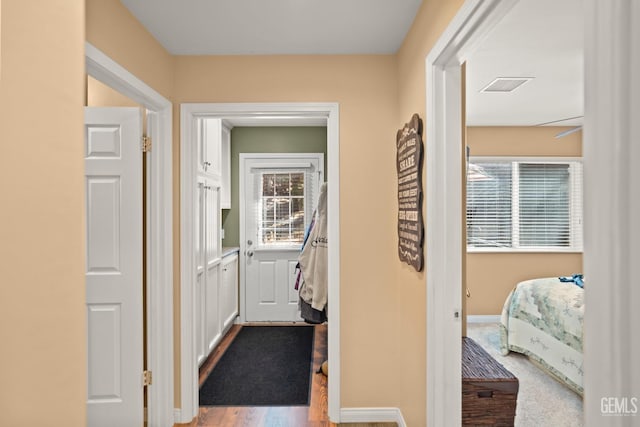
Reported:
(263, 366)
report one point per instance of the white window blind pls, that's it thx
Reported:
(282, 208)
(524, 205)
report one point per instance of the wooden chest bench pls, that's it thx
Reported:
(489, 390)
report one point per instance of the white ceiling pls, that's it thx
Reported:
(266, 27)
(538, 38)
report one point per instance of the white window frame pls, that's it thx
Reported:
(575, 215)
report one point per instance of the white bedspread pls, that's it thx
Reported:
(543, 319)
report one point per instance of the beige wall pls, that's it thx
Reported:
(115, 31)
(490, 277)
(365, 88)
(101, 95)
(409, 305)
(42, 296)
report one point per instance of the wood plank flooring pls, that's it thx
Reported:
(314, 415)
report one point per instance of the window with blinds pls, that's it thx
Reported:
(282, 208)
(524, 205)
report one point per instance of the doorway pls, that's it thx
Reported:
(609, 26)
(277, 199)
(257, 114)
(159, 243)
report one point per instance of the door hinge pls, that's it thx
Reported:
(147, 378)
(146, 144)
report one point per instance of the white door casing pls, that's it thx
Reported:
(287, 114)
(270, 267)
(113, 179)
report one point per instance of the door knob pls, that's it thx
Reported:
(250, 253)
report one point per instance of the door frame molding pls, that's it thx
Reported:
(472, 23)
(160, 225)
(242, 216)
(288, 114)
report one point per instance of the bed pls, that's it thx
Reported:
(543, 318)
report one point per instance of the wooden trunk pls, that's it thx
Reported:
(489, 390)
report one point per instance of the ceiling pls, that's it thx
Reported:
(267, 27)
(542, 39)
(538, 38)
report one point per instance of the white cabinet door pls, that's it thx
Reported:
(225, 187)
(201, 339)
(209, 147)
(229, 290)
(212, 222)
(212, 307)
(113, 185)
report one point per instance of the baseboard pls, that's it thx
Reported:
(179, 422)
(483, 318)
(372, 415)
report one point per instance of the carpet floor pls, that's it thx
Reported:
(542, 400)
(263, 366)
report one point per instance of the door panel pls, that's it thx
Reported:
(280, 192)
(113, 177)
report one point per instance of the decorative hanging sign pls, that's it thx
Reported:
(409, 164)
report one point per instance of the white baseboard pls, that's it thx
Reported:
(177, 417)
(483, 318)
(372, 415)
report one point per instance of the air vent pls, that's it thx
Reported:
(505, 84)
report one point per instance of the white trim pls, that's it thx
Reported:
(372, 415)
(444, 211)
(177, 416)
(160, 255)
(611, 204)
(483, 318)
(289, 113)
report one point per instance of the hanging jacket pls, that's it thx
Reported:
(313, 259)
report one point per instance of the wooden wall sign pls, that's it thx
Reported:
(409, 164)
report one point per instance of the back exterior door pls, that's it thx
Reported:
(280, 192)
(113, 185)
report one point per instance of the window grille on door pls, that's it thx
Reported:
(281, 219)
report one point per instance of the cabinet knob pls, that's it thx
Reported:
(250, 253)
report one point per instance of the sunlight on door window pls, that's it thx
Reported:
(282, 209)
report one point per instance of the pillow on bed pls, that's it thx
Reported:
(578, 279)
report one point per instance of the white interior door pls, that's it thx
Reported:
(113, 172)
(280, 195)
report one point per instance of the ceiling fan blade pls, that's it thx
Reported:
(569, 131)
(559, 121)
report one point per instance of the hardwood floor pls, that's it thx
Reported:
(314, 415)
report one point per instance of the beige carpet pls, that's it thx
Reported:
(542, 400)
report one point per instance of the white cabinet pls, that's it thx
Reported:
(207, 250)
(209, 146)
(216, 284)
(225, 179)
(229, 290)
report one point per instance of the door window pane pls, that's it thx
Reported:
(282, 219)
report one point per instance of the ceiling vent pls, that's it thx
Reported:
(505, 84)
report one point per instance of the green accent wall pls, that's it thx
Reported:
(265, 140)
